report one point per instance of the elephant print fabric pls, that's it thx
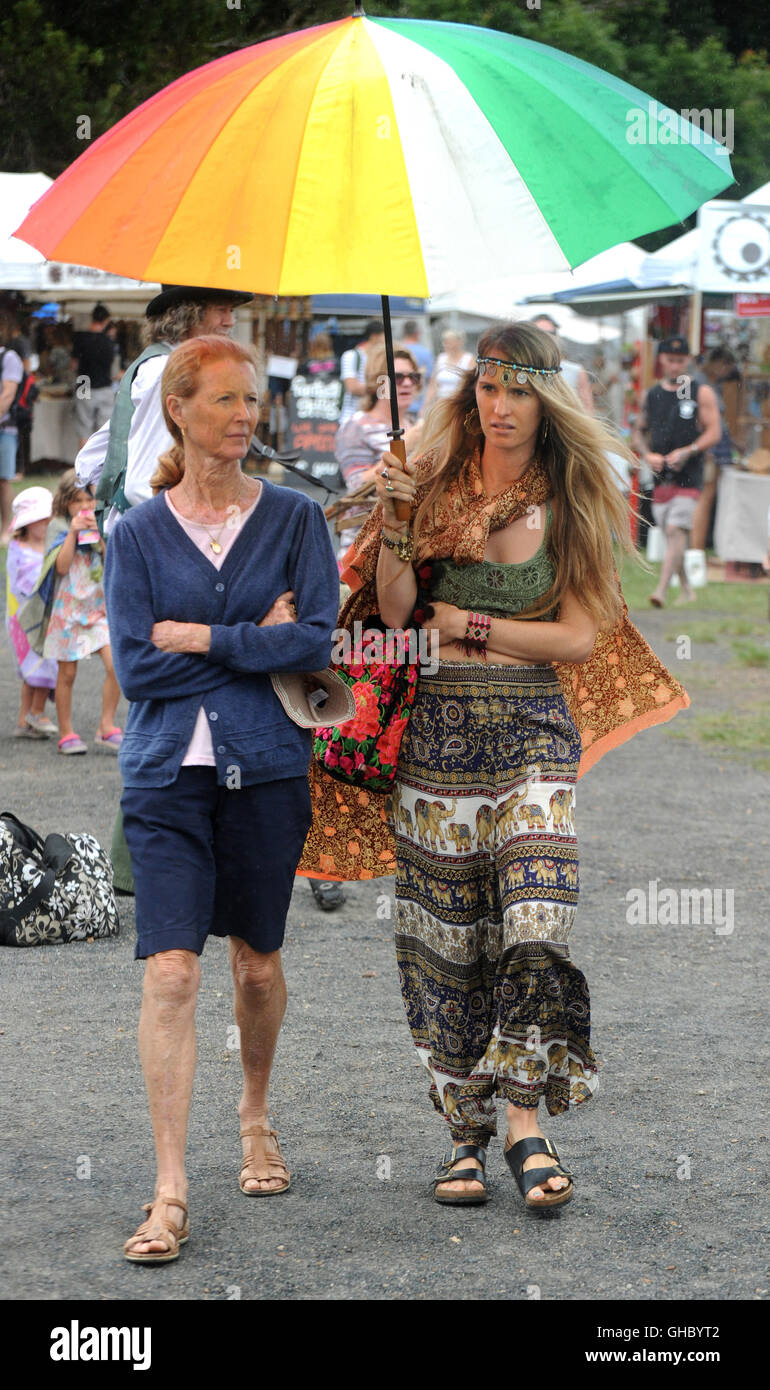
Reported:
(486, 891)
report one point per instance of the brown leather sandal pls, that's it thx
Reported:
(160, 1228)
(265, 1163)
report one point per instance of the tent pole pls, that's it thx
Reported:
(696, 306)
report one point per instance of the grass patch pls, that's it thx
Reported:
(739, 731)
(697, 632)
(751, 654)
(747, 602)
(49, 480)
(709, 629)
(739, 627)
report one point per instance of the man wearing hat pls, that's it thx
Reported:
(679, 420)
(121, 457)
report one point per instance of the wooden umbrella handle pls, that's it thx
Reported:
(403, 509)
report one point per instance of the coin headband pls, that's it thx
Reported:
(505, 371)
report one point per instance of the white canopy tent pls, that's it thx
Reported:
(504, 297)
(75, 288)
(677, 262)
(23, 268)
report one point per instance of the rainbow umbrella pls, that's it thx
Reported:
(387, 156)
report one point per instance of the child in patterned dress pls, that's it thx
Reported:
(31, 511)
(78, 623)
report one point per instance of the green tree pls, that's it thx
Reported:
(45, 76)
(102, 58)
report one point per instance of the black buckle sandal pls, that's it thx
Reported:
(463, 1199)
(516, 1156)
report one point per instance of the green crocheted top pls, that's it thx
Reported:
(489, 586)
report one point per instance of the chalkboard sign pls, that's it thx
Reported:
(314, 407)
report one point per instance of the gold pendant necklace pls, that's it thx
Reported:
(215, 543)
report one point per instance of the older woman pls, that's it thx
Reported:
(217, 581)
(513, 507)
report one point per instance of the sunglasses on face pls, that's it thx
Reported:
(412, 377)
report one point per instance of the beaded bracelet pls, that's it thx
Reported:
(403, 547)
(476, 635)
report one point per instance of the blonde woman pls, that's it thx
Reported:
(513, 509)
(214, 583)
(452, 362)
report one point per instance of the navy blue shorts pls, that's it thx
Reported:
(208, 861)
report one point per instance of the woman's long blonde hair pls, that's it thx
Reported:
(591, 508)
(181, 377)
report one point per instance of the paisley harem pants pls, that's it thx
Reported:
(486, 891)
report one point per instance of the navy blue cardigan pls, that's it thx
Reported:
(155, 573)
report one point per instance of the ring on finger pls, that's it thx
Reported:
(389, 487)
(385, 474)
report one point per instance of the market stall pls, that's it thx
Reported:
(55, 434)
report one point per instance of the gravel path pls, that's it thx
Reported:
(670, 1158)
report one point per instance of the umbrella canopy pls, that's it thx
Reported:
(374, 156)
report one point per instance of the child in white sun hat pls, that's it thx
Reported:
(30, 515)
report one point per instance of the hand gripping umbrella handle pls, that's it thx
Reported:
(403, 509)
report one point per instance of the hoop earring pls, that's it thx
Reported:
(472, 421)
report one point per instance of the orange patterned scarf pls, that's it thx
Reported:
(622, 688)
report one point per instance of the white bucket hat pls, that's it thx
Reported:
(314, 700)
(32, 504)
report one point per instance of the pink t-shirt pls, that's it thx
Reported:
(200, 752)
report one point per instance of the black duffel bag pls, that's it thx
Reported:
(53, 890)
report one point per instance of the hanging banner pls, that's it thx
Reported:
(752, 306)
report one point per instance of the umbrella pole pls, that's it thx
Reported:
(396, 434)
